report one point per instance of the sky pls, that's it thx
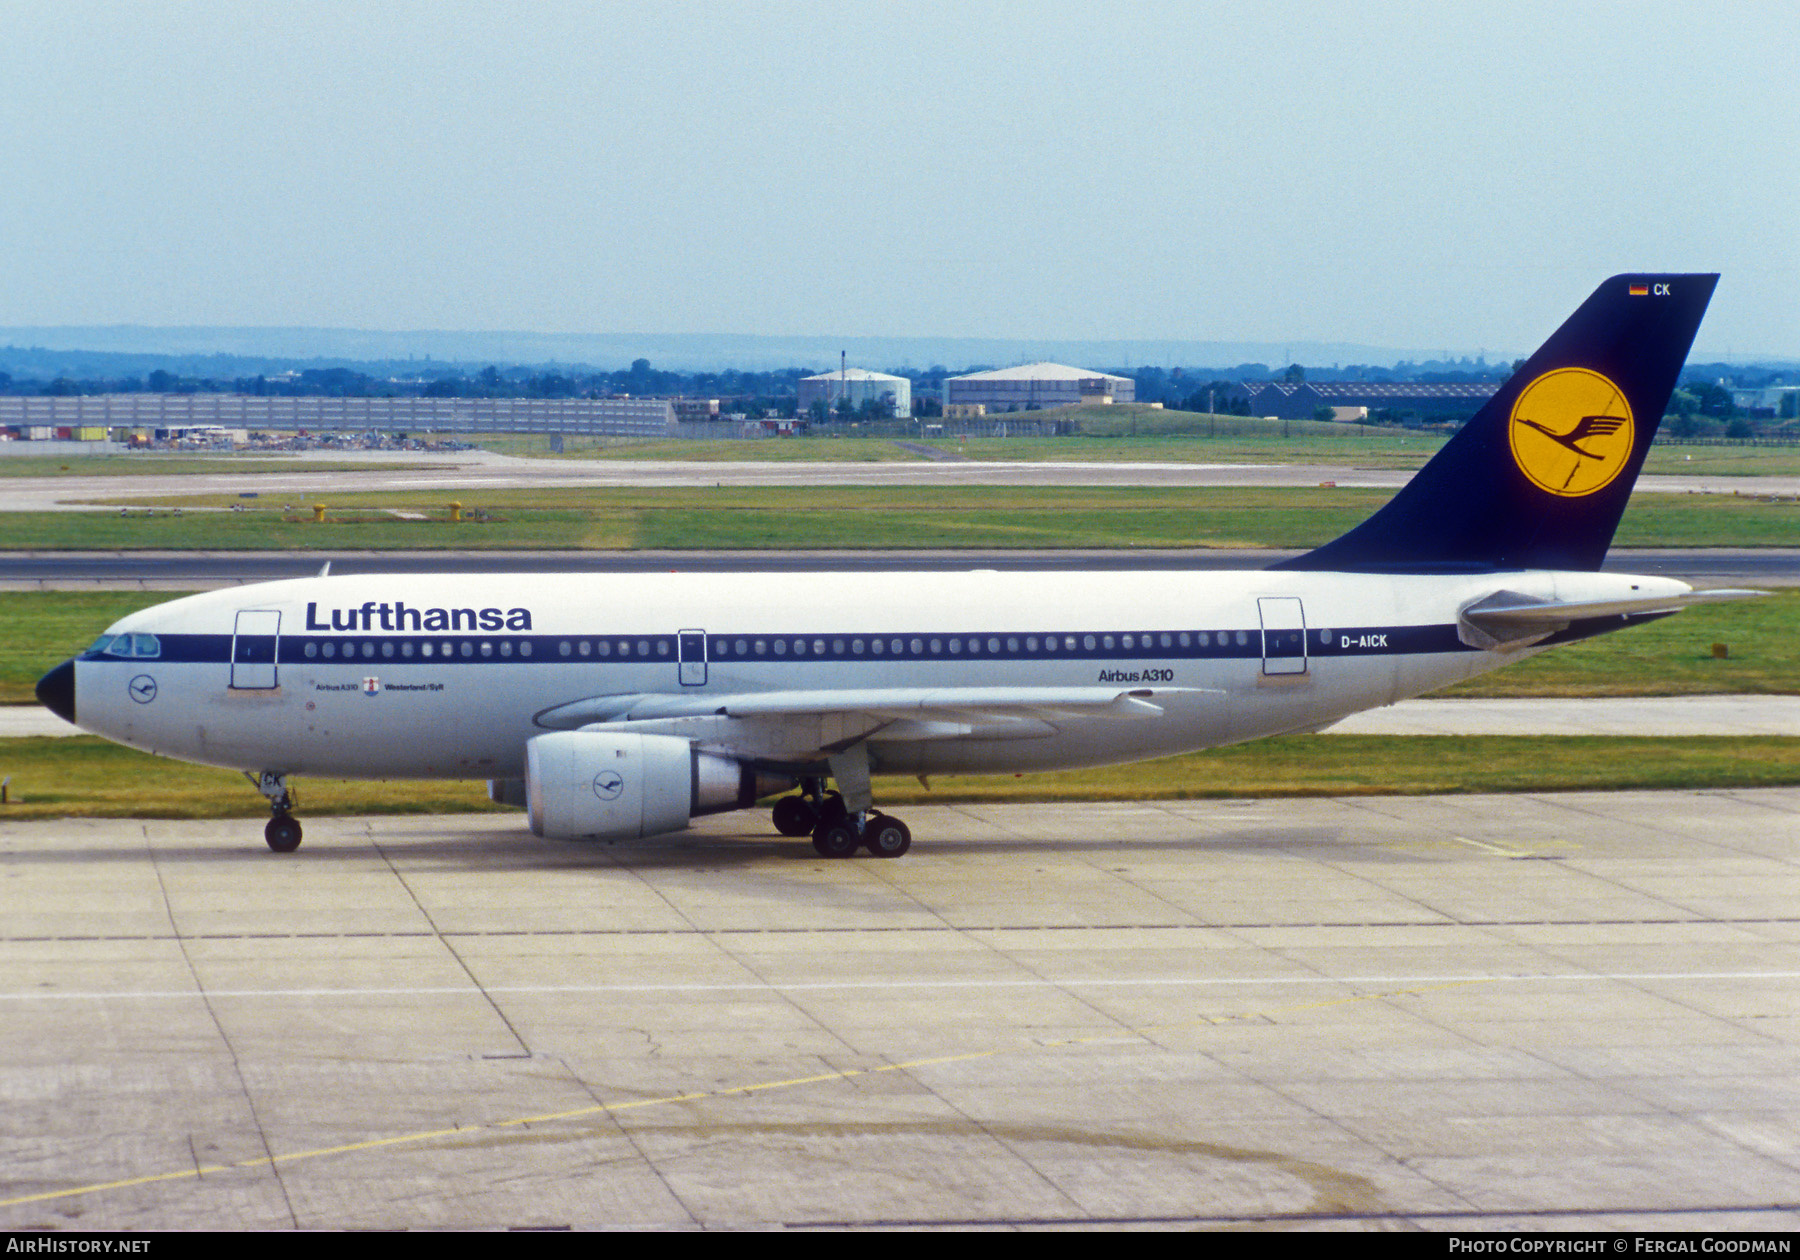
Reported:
(1452, 176)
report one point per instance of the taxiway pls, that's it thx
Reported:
(1559, 1011)
(470, 472)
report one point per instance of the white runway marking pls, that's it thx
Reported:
(1619, 977)
(1483, 845)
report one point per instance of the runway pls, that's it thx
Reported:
(470, 472)
(1560, 1011)
(205, 570)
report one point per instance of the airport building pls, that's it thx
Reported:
(859, 386)
(1301, 400)
(95, 414)
(1772, 402)
(1035, 386)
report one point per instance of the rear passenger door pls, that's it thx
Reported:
(1284, 635)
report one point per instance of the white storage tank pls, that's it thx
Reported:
(859, 386)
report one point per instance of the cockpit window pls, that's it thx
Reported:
(135, 646)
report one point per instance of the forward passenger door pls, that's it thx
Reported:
(255, 649)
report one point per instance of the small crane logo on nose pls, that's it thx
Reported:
(143, 689)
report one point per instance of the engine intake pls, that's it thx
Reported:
(606, 786)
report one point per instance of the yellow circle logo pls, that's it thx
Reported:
(1571, 432)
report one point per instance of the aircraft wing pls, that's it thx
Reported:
(790, 725)
(886, 704)
(1507, 619)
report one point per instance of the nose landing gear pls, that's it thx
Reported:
(282, 833)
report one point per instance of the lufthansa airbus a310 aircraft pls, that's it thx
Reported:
(619, 706)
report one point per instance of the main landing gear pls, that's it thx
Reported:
(836, 830)
(283, 830)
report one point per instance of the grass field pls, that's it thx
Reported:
(85, 776)
(1119, 434)
(847, 447)
(784, 517)
(1668, 657)
(161, 464)
(1379, 449)
(1132, 434)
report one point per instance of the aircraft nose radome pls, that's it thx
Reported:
(56, 691)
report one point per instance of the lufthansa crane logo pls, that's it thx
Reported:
(1571, 432)
(608, 785)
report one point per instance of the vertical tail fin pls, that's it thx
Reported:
(1540, 476)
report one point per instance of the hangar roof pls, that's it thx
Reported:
(1039, 372)
(853, 374)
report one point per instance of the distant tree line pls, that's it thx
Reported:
(1701, 406)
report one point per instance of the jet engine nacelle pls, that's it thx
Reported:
(600, 785)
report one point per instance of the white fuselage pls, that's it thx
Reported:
(445, 677)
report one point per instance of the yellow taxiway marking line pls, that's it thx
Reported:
(598, 1109)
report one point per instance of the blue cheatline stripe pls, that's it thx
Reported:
(795, 649)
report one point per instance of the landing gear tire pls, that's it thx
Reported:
(283, 830)
(886, 837)
(795, 816)
(283, 833)
(837, 839)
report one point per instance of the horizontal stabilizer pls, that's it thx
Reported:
(1507, 620)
